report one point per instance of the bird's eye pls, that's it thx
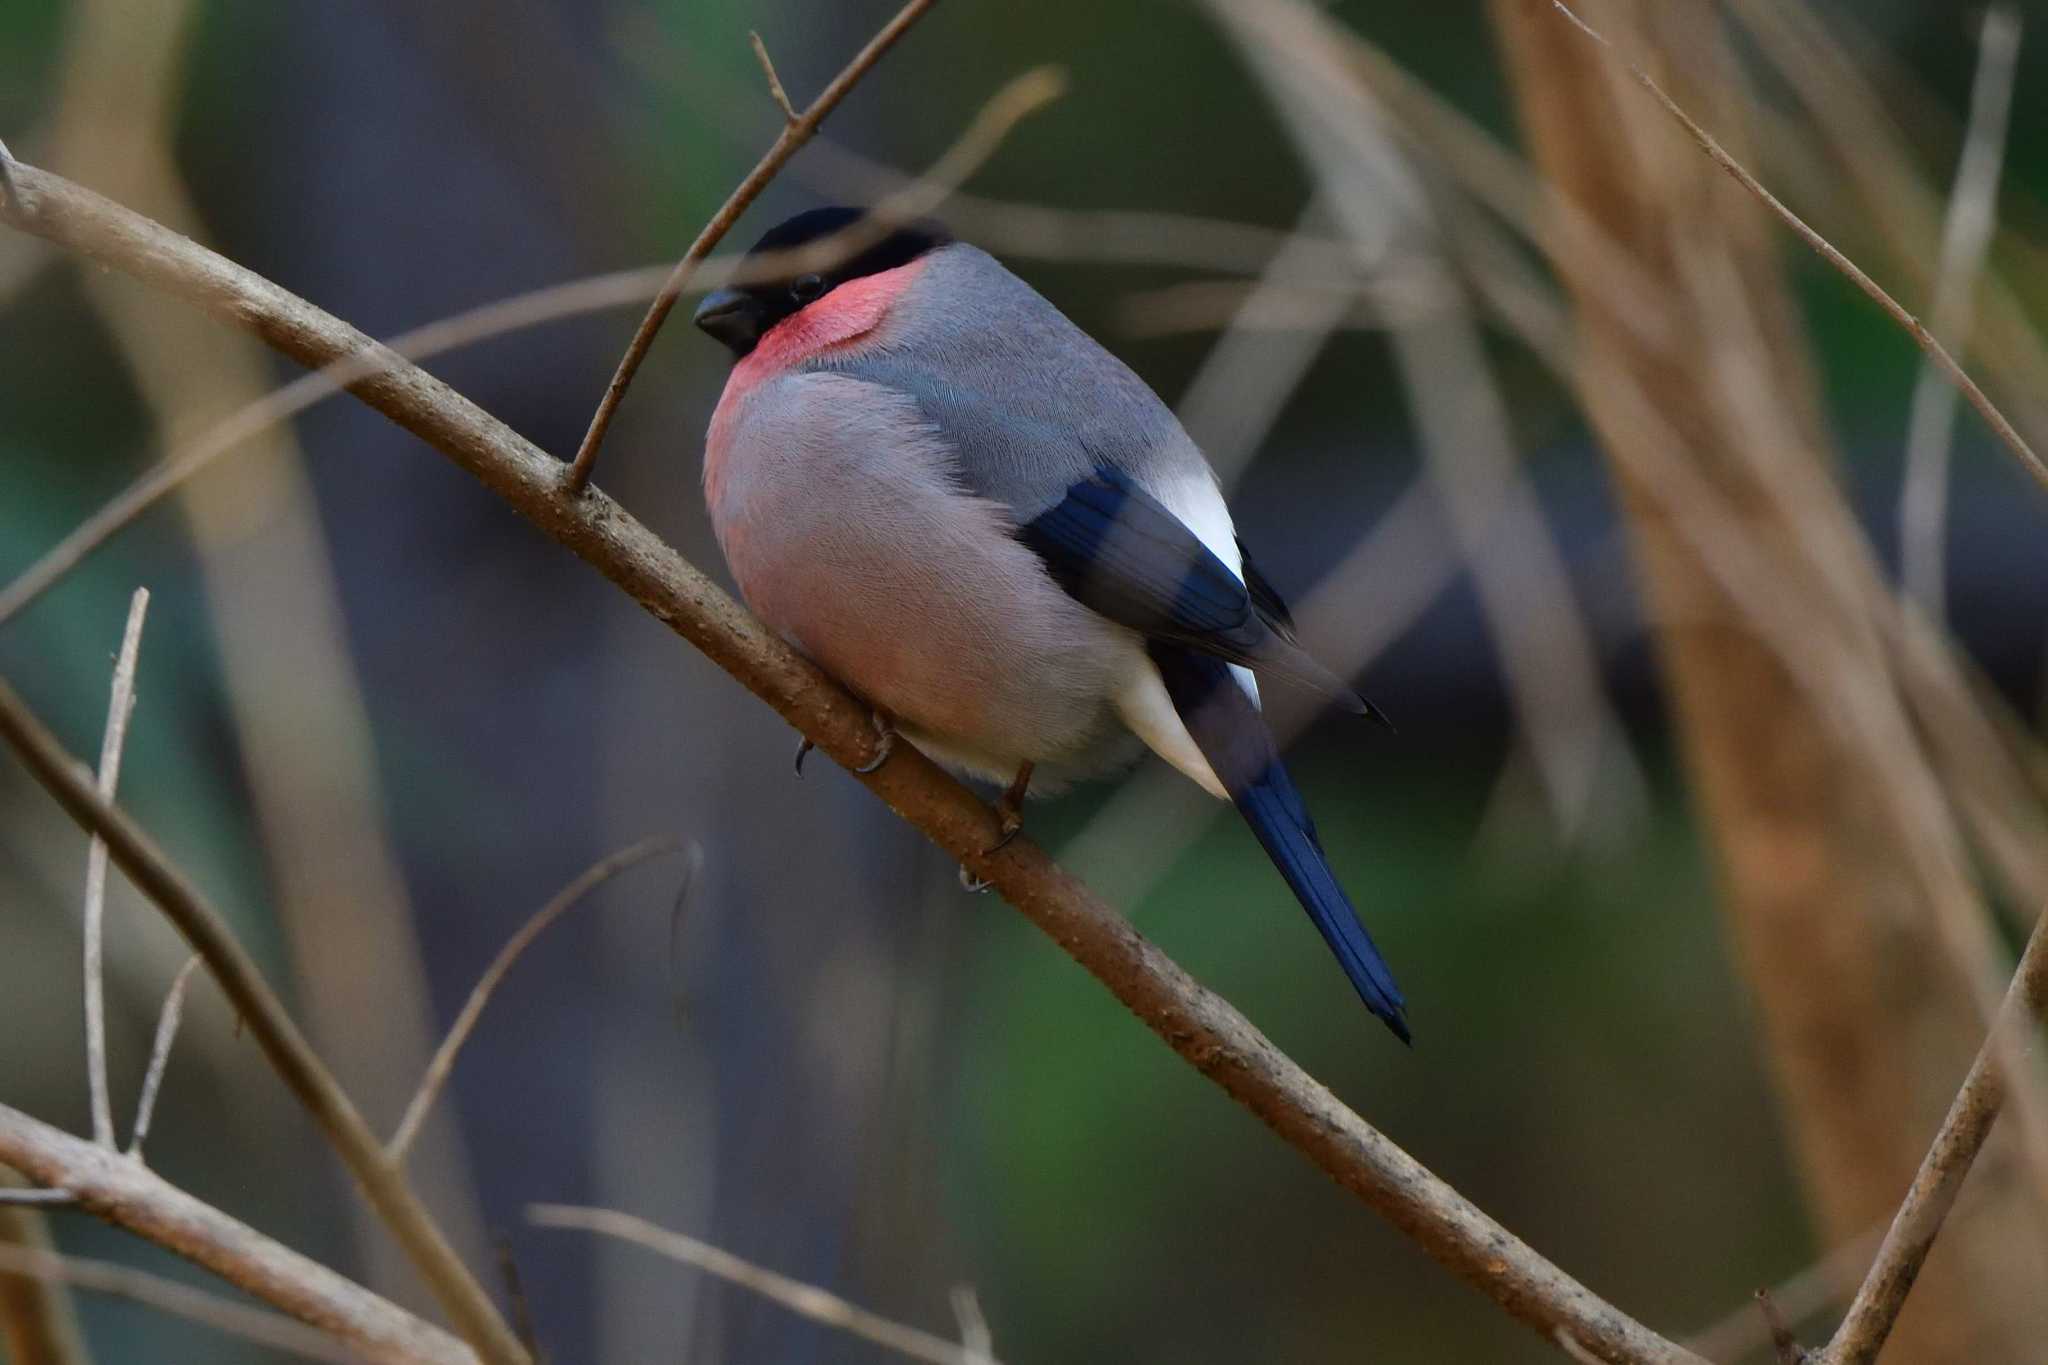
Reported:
(804, 288)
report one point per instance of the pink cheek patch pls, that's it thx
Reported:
(842, 317)
(846, 314)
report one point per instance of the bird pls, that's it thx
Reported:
(928, 480)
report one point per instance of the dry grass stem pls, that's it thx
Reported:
(1934, 350)
(119, 707)
(38, 1320)
(793, 136)
(443, 1063)
(805, 1300)
(1965, 239)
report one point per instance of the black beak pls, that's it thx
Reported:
(731, 316)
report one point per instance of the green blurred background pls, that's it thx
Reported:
(824, 1056)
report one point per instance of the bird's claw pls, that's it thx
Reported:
(972, 884)
(803, 747)
(1010, 808)
(885, 744)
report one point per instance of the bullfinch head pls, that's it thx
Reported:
(739, 316)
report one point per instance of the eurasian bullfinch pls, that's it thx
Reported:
(929, 481)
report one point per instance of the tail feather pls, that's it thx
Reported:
(1232, 735)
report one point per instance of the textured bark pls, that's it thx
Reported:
(1865, 1026)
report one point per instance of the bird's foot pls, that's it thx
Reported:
(972, 884)
(1010, 807)
(803, 748)
(885, 743)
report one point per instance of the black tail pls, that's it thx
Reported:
(1232, 735)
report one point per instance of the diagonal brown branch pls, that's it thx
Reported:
(1942, 1172)
(129, 1195)
(173, 893)
(798, 130)
(1204, 1029)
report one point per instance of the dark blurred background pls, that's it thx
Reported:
(383, 720)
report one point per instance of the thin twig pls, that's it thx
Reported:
(160, 1054)
(1965, 238)
(975, 1337)
(302, 1071)
(805, 1300)
(515, 1294)
(1940, 1177)
(443, 1062)
(775, 90)
(1783, 1343)
(119, 706)
(1934, 350)
(1799, 1296)
(36, 1198)
(130, 1195)
(180, 1300)
(1200, 1026)
(787, 143)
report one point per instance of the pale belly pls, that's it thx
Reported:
(918, 598)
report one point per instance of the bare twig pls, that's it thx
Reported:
(160, 1054)
(1965, 237)
(565, 900)
(180, 1300)
(515, 1294)
(787, 143)
(1829, 1280)
(775, 90)
(36, 1198)
(805, 1300)
(1940, 1178)
(1783, 1343)
(264, 1015)
(129, 1195)
(120, 705)
(975, 1337)
(1934, 350)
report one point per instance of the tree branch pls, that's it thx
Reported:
(798, 130)
(173, 893)
(129, 1195)
(1200, 1026)
(1941, 1174)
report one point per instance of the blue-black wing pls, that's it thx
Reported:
(1121, 552)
